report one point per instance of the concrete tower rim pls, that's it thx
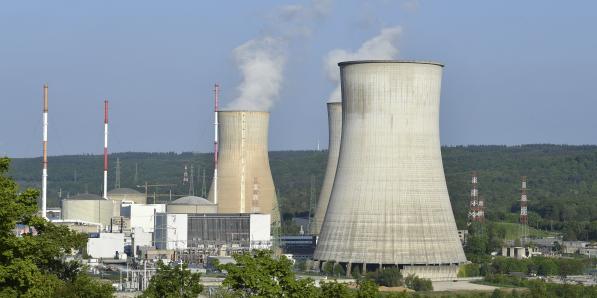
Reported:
(351, 62)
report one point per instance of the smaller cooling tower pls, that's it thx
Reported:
(245, 183)
(335, 131)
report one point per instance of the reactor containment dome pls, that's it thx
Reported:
(389, 205)
(244, 180)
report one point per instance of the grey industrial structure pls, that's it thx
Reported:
(90, 208)
(245, 183)
(191, 204)
(127, 195)
(335, 132)
(389, 204)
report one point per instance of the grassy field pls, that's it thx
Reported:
(513, 231)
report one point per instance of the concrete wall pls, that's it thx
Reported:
(389, 202)
(142, 215)
(335, 133)
(245, 183)
(260, 231)
(190, 209)
(106, 245)
(171, 231)
(96, 211)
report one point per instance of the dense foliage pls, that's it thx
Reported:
(32, 264)
(173, 281)
(540, 266)
(562, 180)
(260, 274)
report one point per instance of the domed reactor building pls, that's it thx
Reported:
(389, 205)
(244, 179)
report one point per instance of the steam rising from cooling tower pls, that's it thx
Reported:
(389, 203)
(335, 131)
(383, 46)
(261, 60)
(245, 183)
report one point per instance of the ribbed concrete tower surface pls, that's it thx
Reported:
(389, 204)
(335, 130)
(245, 183)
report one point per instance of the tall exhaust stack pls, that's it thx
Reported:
(44, 175)
(244, 181)
(335, 132)
(106, 149)
(389, 204)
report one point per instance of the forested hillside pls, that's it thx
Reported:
(562, 180)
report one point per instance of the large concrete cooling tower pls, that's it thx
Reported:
(389, 204)
(245, 183)
(335, 129)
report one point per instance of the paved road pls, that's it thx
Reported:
(460, 286)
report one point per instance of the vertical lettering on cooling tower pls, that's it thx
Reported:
(255, 203)
(243, 136)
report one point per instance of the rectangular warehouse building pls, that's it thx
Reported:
(241, 230)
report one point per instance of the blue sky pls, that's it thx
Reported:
(517, 72)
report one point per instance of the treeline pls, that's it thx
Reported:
(562, 180)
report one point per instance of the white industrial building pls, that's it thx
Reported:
(238, 230)
(142, 215)
(106, 245)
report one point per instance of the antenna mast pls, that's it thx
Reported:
(216, 99)
(106, 149)
(476, 207)
(203, 189)
(523, 210)
(117, 182)
(191, 182)
(44, 176)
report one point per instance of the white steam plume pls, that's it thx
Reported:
(381, 47)
(262, 60)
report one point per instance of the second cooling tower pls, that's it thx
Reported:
(335, 130)
(245, 183)
(389, 204)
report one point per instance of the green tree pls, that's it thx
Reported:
(418, 284)
(31, 265)
(333, 289)
(367, 289)
(174, 281)
(260, 274)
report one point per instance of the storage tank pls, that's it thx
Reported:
(389, 204)
(245, 183)
(335, 131)
(190, 205)
(127, 195)
(90, 208)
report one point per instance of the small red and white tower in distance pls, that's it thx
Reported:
(185, 176)
(524, 217)
(476, 205)
(215, 181)
(44, 175)
(106, 149)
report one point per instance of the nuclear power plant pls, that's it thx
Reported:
(335, 131)
(244, 180)
(383, 202)
(389, 205)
